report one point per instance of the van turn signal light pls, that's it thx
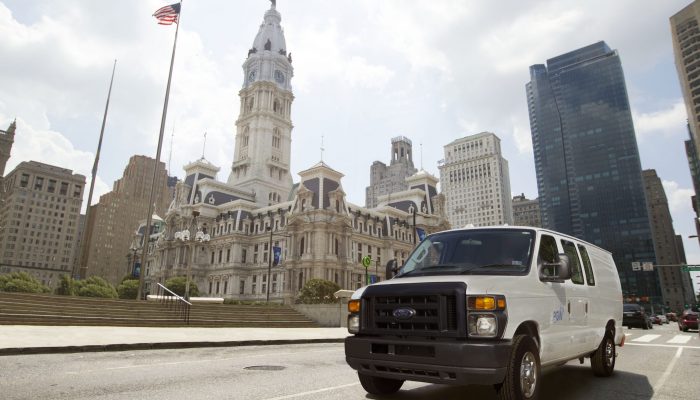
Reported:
(354, 306)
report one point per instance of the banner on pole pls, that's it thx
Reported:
(277, 254)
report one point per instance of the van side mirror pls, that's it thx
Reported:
(392, 267)
(556, 272)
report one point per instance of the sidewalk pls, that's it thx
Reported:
(29, 339)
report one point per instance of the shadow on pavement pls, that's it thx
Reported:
(570, 382)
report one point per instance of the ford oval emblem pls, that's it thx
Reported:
(404, 313)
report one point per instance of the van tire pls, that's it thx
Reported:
(525, 355)
(603, 359)
(379, 386)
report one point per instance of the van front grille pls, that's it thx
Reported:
(428, 309)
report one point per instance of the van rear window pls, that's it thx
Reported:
(590, 279)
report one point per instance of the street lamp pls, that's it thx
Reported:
(199, 237)
(132, 266)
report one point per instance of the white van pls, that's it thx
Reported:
(488, 305)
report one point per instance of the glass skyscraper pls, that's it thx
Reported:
(589, 176)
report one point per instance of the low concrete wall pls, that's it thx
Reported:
(326, 315)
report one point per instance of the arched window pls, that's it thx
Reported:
(276, 106)
(337, 247)
(301, 280)
(337, 206)
(301, 247)
(276, 138)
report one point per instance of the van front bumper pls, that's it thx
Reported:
(448, 362)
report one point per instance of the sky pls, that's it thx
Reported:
(364, 71)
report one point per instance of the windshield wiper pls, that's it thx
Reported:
(487, 266)
(428, 269)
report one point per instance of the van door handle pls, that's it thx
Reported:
(586, 308)
(568, 307)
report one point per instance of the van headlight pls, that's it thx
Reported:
(486, 315)
(482, 325)
(354, 307)
(353, 323)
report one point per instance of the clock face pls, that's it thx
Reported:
(251, 76)
(279, 76)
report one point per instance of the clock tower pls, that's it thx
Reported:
(264, 127)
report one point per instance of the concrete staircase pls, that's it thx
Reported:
(45, 309)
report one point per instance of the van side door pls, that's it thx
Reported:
(595, 318)
(553, 318)
(577, 299)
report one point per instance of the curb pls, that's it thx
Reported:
(13, 351)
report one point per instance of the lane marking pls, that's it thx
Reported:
(681, 339)
(646, 338)
(667, 373)
(328, 389)
(164, 364)
(662, 345)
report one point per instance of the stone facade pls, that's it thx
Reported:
(476, 182)
(526, 212)
(383, 179)
(7, 139)
(225, 234)
(112, 221)
(40, 218)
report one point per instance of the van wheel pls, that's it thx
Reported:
(603, 359)
(379, 386)
(523, 372)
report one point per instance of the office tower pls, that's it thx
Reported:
(526, 212)
(40, 220)
(589, 176)
(475, 182)
(675, 288)
(685, 34)
(113, 220)
(383, 179)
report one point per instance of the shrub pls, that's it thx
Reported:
(95, 286)
(318, 291)
(21, 282)
(177, 285)
(128, 289)
(67, 286)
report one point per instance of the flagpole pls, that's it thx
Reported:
(82, 270)
(147, 230)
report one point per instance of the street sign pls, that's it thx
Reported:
(636, 265)
(688, 268)
(366, 261)
(647, 266)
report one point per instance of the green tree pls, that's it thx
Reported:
(128, 289)
(95, 286)
(21, 282)
(177, 285)
(318, 291)
(66, 286)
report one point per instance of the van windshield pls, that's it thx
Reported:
(477, 251)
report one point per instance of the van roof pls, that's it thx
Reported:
(532, 228)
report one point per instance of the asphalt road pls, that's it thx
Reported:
(663, 363)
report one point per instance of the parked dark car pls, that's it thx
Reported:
(689, 319)
(635, 316)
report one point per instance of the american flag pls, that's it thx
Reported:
(168, 14)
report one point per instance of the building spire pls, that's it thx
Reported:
(274, 4)
(322, 149)
(204, 146)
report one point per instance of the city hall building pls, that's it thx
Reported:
(228, 234)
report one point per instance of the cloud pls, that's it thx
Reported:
(679, 198)
(669, 122)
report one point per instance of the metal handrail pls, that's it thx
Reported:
(174, 301)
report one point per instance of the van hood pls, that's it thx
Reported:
(476, 284)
